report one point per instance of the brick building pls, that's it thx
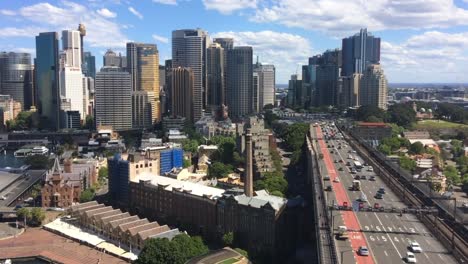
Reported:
(59, 191)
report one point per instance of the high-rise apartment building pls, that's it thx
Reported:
(143, 65)
(189, 50)
(182, 93)
(47, 78)
(350, 90)
(113, 98)
(16, 77)
(215, 66)
(266, 82)
(359, 51)
(328, 78)
(239, 81)
(373, 87)
(71, 46)
(142, 109)
(89, 66)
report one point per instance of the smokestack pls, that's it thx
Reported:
(248, 182)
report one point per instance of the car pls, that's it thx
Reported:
(361, 205)
(331, 151)
(328, 188)
(363, 251)
(353, 171)
(363, 177)
(370, 169)
(18, 206)
(345, 204)
(378, 196)
(326, 177)
(372, 178)
(357, 177)
(376, 205)
(381, 190)
(3, 198)
(340, 168)
(336, 179)
(363, 197)
(415, 247)
(410, 257)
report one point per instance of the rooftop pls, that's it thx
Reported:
(169, 184)
(262, 198)
(370, 124)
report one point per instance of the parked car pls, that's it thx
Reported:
(415, 247)
(410, 257)
(363, 251)
(372, 178)
(381, 190)
(378, 196)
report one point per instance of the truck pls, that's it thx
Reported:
(343, 232)
(356, 185)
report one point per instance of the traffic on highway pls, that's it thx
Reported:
(369, 220)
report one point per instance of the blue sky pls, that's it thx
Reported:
(422, 40)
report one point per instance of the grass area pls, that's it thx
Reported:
(229, 261)
(438, 124)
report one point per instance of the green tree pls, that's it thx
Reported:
(228, 239)
(89, 123)
(37, 216)
(365, 112)
(407, 164)
(272, 182)
(385, 149)
(103, 174)
(190, 145)
(86, 196)
(277, 193)
(451, 174)
(219, 170)
(186, 163)
(35, 192)
(402, 114)
(416, 148)
(38, 162)
(23, 213)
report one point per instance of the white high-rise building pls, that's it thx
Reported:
(373, 87)
(266, 81)
(71, 45)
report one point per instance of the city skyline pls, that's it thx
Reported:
(431, 43)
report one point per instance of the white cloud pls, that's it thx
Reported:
(432, 56)
(229, 6)
(160, 38)
(135, 12)
(20, 32)
(101, 32)
(106, 13)
(341, 17)
(7, 12)
(286, 51)
(166, 2)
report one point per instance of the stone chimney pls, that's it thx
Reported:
(248, 182)
(67, 166)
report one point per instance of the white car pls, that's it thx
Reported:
(410, 257)
(415, 247)
(336, 179)
(3, 198)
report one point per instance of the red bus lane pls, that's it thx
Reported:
(349, 217)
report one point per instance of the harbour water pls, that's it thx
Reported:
(9, 160)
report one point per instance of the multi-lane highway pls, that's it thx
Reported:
(386, 234)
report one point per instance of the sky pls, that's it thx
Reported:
(423, 41)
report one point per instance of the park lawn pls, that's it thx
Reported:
(229, 261)
(438, 124)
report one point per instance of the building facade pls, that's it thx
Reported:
(113, 98)
(328, 78)
(239, 81)
(47, 78)
(266, 83)
(359, 51)
(182, 85)
(189, 50)
(112, 59)
(215, 66)
(351, 89)
(373, 87)
(16, 77)
(89, 66)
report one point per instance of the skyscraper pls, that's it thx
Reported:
(71, 45)
(182, 92)
(266, 76)
(215, 66)
(373, 87)
(113, 98)
(359, 51)
(143, 65)
(189, 50)
(239, 81)
(328, 78)
(111, 59)
(89, 68)
(16, 77)
(350, 90)
(142, 109)
(294, 97)
(47, 77)
(256, 92)
(226, 43)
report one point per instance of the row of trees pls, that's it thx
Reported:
(176, 251)
(33, 217)
(400, 114)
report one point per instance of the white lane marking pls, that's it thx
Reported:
(378, 219)
(385, 252)
(426, 255)
(440, 256)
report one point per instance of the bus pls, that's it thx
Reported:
(357, 165)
